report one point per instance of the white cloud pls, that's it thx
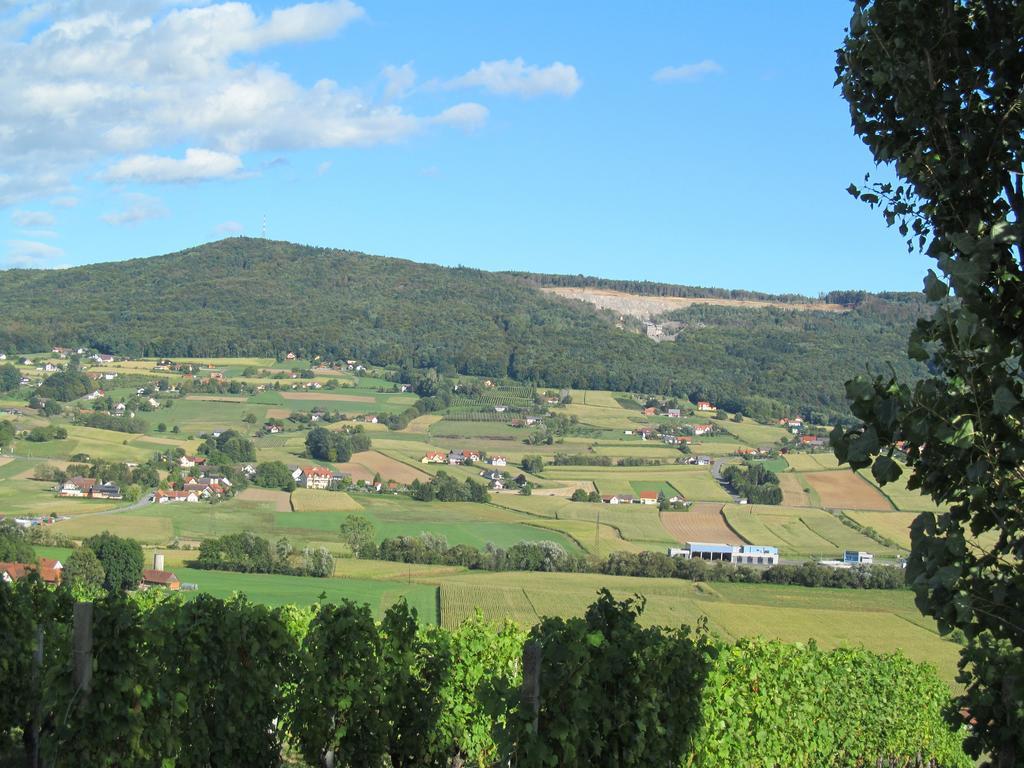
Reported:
(197, 165)
(468, 115)
(29, 253)
(30, 219)
(119, 85)
(323, 168)
(519, 78)
(64, 202)
(138, 208)
(398, 80)
(229, 228)
(688, 72)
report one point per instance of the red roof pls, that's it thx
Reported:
(317, 471)
(648, 494)
(150, 576)
(15, 570)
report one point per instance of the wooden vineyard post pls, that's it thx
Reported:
(81, 649)
(530, 691)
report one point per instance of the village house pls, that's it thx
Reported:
(648, 497)
(272, 429)
(703, 429)
(644, 432)
(317, 478)
(652, 411)
(673, 413)
(704, 405)
(498, 461)
(102, 359)
(813, 441)
(10, 572)
(610, 499)
(50, 570)
(434, 457)
(456, 457)
(491, 474)
(76, 486)
(187, 462)
(105, 491)
(671, 439)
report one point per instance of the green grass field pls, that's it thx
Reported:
(812, 462)
(306, 500)
(799, 531)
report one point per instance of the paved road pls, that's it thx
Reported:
(716, 472)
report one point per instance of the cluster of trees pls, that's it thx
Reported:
(444, 487)
(10, 377)
(754, 482)
(274, 474)
(46, 434)
(336, 445)
(229, 446)
(248, 553)
(66, 385)
(113, 423)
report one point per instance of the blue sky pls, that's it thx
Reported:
(695, 143)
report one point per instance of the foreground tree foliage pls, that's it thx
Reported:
(211, 682)
(935, 90)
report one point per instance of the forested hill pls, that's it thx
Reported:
(255, 297)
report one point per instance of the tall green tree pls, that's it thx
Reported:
(121, 560)
(10, 377)
(83, 567)
(936, 92)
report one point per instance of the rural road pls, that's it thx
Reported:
(716, 472)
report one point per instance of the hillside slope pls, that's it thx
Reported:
(247, 296)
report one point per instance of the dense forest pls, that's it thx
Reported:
(255, 297)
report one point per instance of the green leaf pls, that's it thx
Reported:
(934, 288)
(885, 470)
(1004, 401)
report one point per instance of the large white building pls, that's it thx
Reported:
(740, 554)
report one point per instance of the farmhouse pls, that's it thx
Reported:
(704, 405)
(498, 461)
(671, 439)
(650, 411)
(434, 457)
(317, 478)
(673, 413)
(155, 578)
(187, 462)
(703, 429)
(165, 497)
(76, 486)
(612, 499)
(648, 497)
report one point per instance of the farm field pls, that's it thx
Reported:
(812, 462)
(702, 522)
(799, 531)
(364, 466)
(793, 492)
(892, 525)
(307, 500)
(694, 483)
(830, 617)
(278, 500)
(902, 497)
(635, 523)
(846, 490)
(273, 589)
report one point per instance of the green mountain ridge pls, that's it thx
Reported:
(256, 297)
